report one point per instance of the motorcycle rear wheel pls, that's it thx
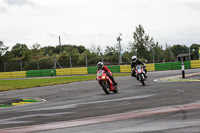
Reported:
(105, 88)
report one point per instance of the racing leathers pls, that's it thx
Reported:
(108, 72)
(134, 64)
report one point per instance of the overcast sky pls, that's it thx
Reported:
(87, 22)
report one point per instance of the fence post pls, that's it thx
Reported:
(189, 55)
(4, 66)
(183, 70)
(119, 39)
(171, 54)
(20, 64)
(70, 61)
(38, 65)
(102, 57)
(153, 57)
(86, 60)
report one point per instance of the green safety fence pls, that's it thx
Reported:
(171, 65)
(92, 70)
(40, 73)
(114, 69)
(187, 64)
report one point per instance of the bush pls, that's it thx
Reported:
(46, 63)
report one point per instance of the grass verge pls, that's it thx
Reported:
(6, 85)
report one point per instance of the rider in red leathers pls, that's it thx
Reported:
(101, 66)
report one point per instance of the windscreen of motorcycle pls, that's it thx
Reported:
(139, 68)
(99, 73)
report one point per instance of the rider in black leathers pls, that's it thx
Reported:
(136, 62)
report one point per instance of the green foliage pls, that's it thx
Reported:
(167, 54)
(194, 49)
(18, 49)
(13, 65)
(48, 51)
(26, 55)
(46, 63)
(143, 45)
(126, 57)
(111, 55)
(179, 49)
(36, 51)
(30, 65)
(3, 48)
(64, 60)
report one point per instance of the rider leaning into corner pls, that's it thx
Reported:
(136, 62)
(101, 66)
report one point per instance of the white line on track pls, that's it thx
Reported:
(94, 102)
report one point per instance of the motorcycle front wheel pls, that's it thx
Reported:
(105, 87)
(142, 80)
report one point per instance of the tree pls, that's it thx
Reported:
(111, 55)
(179, 49)
(194, 48)
(94, 48)
(26, 55)
(81, 49)
(48, 51)
(18, 50)
(3, 48)
(144, 45)
(168, 54)
(141, 42)
(35, 51)
(157, 51)
(126, 57)
(110, 50)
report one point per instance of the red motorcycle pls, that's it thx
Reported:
(105, 82)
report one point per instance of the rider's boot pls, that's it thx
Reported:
(114, 83)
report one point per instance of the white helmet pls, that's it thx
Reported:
(134, 58)
(100, 65)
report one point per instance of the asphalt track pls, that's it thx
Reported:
(84, 107)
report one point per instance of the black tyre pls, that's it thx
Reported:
(105, 88)
(116, 89)
(143, 80)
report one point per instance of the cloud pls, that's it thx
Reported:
(193, 6)
(19, 3)
(2, 9)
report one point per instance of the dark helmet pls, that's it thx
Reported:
(134, 58)
(100, 65)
